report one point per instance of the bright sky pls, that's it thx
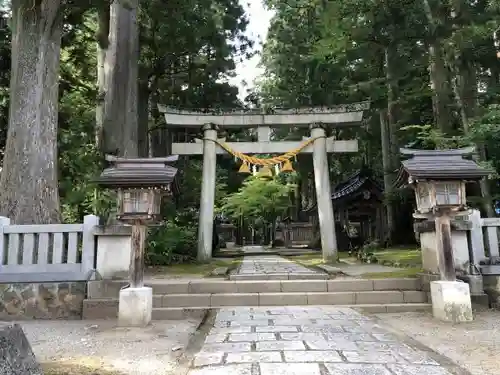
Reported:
(259, 19)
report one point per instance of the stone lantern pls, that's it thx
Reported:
(140, 184)
(438, 178)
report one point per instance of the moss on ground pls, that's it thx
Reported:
(400, 257)
(313, 259)
(409, 259)
(81, 367)
(410, 272)
(198, 269)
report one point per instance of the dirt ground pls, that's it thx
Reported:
(474, 346)
(102, 348)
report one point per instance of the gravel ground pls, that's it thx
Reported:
(474, 346)
(101, 345)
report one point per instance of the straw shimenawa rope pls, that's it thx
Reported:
(251, 160)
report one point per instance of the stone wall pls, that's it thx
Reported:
(42, 300)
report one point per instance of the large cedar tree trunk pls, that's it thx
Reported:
(388, 180)
(465, 90)
(439, 75)
(120, 127)
(29, 193)
(103, 14)
(391, 64)
(143, 120)
(441, 99)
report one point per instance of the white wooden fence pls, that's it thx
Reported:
(47, 253)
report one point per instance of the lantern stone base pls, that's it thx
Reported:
(430, 252)
(451, 301)
(114, 245)
(135, 307)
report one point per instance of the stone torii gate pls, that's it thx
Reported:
(317, 119)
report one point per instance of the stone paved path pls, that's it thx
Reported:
(314, 340)
(273, 267)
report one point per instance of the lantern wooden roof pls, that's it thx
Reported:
(138, 172)
(439, 165)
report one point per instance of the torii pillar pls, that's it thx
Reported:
(315, 118)
(323, 194)
(207, 201)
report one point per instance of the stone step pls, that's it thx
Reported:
(215, 300)
(280, 276)
(179, 313)
(102, 308)
(111, 289)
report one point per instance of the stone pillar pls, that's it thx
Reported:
(206, 219)
(323, 194)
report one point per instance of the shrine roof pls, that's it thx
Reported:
(353, 185)
(439, 165)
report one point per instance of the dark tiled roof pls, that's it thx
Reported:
(350, 186)
(353, 183)
(440, 165)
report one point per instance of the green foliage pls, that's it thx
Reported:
(485, 130)
(366, 253)
(428, 137)
(186, 49)
(171, 244)
(79, 161)
(325, 53)
(259, 201)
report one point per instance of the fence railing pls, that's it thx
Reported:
(483, 235)
(490, 231)
(297, 233)
(228, 232)
(47, 253)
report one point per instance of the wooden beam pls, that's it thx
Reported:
(333, 146)
(444, 246)
(138, 239)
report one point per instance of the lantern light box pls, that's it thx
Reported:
(141, 183)
(439, 177)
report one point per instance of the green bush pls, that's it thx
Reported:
(170, 244)
(366, 254)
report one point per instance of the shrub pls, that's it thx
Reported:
(170, 244)
(366, 253)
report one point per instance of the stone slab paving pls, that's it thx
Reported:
(273, 267)
(314, 340)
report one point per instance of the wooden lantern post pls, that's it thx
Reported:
(444, 245)
(139, 233)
